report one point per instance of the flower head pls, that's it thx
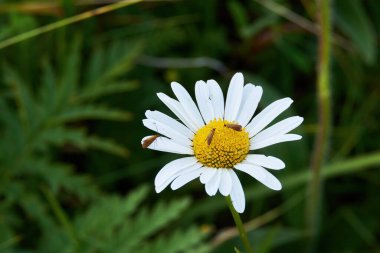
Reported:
(217, 136)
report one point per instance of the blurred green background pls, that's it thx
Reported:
(73, 175)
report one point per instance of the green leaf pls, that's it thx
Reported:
(77, 137)
(107, 65)
(91, 93)
(90, 112)
(62, 177)
(238, 12)
(138, 228)
(178, 241)
(48, 90)
(352, 18)
(105, 217)
(107, 146)
(69, 78)
(22, 95)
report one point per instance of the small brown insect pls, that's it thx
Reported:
(210, 136)
(148, 141)
(235, 127)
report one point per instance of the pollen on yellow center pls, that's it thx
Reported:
(218, 146)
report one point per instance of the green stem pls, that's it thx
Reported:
(65, 22)
(60, 214)
(239, 226)
(324, 116)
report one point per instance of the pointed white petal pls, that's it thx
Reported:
(203, 97)
(237, 193)
(269, 162)
(166, 145)
(280, 128)
(165, 130)
(217, 98)
(177, 109)
(234, 96)
(169, 178)
(173, 167)
(207, 174)
(260, 174)
(184, 179)
(188, 104)
(225, 185)
(212, 185)
(261, 120)
(169, 121)
(251, 99)
(274, 140)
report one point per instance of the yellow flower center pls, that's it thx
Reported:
(221, 144)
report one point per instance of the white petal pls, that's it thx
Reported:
(251, 99)
(166, 145)
(246, 92)
(261, 120)
(217, 98)
(234, 96)
(188, 104)
(280, 128)
(172, 168)
(237, 193)
(169, 121)
(177, 109)
(225, 185)
(207, 174)
(203, 97)
(260, 174)
(274, 140)
(169, 178)
(184, 179)
(165, 130)
(269, 162)
(212, 185)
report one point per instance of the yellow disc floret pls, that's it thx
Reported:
(221, 144)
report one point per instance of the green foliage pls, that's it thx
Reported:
(123, 224)
(39, 120)
(72, 100)
(352, 19)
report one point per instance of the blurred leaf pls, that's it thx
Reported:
(178, 241)
(111, 63)
(239, 15)
(22, 95)
(119, 224)
(159, 216)
(69, 79)
(107, 214)
(90, 112)
(267, 243)
(352, 18)
(100, 91)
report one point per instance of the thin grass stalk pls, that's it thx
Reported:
(64, 22)
(319, 155)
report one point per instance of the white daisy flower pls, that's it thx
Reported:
(218, 136)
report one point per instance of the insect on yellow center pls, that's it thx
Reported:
(218, 145)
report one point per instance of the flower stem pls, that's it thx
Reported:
(324, 116)
(239, 226)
